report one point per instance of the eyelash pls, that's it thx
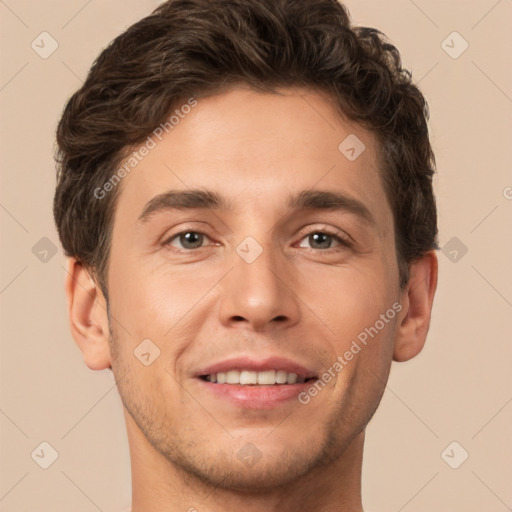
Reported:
(342, 240)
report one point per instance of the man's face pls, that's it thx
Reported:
(256, 279)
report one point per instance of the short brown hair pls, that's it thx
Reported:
(198, 48)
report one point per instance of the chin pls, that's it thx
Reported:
(261, 474)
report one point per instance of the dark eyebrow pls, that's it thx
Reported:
(307, 199)
(183, 200)
(327, 200)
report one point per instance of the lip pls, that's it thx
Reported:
(261, 365)
(256, 397)
(252, 396)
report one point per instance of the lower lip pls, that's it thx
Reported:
(257, 397)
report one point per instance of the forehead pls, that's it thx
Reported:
(255, 148)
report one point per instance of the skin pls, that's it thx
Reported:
(299, 299)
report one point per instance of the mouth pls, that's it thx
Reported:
(247, 383)
(256, 378)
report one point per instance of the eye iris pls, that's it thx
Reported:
(192, 238)
(322, 239)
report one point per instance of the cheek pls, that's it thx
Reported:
(143, 296)
(358, 308)
(350, 300)
(162, 305)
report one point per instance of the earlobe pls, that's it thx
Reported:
(417, 301)
(87, 316)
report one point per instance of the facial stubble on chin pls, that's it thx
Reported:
(223, 469)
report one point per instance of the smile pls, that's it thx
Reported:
(254, 378)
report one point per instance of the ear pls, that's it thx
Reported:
(417, 300)
(87, 310)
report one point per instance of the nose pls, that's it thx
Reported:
(259, 295)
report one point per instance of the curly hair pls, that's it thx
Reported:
(197, 48)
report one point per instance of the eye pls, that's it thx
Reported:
(324, 240)
(187, 239)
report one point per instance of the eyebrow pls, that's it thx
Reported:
(327, 200)
(206, 199)
(184, 200)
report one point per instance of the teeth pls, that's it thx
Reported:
(292, 378)
(248, 377)
(267, 378)
(281, 377)
(232, 377)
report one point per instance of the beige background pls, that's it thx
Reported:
(458, 389)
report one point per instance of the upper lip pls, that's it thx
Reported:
(257, 365)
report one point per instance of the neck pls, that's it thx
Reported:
(160, 486)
